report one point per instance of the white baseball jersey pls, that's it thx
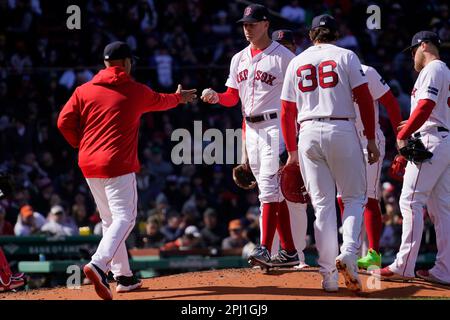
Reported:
(259, 79)
(432, 83)
(377, 87)
(320, 80)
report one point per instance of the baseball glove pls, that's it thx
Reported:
(292, 185)
(415, 151)
(243, 177)
(6, 186)
(397, 169)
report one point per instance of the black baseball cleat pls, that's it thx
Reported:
(284, 259)
(260, 256)
(127, 284)
(99, 279)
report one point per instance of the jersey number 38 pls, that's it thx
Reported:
(308, 75)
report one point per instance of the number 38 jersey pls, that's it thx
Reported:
(320, 80)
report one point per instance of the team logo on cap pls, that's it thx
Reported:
(247, 11)
(280, 35)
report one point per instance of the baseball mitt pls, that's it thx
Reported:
(292, 185)
(415, 151)
(397, 169)
(243, 177)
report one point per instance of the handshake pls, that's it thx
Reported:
(208, 95)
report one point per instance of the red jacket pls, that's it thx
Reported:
(102, 119)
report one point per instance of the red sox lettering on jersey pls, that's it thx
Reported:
(259, 76)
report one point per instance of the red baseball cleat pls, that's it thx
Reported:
(427, 276)
(388, 275)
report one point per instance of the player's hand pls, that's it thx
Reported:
(292, 157)
(210, 96)
(401, 125)
(186, 95)
(373, 152)
(401, 144)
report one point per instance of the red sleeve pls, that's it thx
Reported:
(154, 101)
(365, 103)
(243, 129)
(289, 124)
(69, 120)
(420, 114)
(393, 109)
(229, 98)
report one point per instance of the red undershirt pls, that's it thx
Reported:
(420, 114)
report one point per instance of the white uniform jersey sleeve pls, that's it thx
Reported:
(356, 75)
(433, 83)
(377, 85)
(232, 76)
(288, 93)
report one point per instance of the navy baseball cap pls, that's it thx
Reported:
(283, 35)
(324, 21)
(117, 50)
(255, 13)
(422, 36)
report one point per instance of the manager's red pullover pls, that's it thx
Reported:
(102, 119)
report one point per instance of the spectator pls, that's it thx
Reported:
(172, 230)
(29, 222)
(153, 237)
(6, 228)
(56, 225)
(212, 233)
(293, 12)
(163, 61)
(236, 239)
(191, 239)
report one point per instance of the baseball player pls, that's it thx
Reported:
(426, 183)
(102, 120)
(286, 38)
(297, 211)
(318, 92)
(380, 92)
(256, 77)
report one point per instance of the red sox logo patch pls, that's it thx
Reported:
(247, 11)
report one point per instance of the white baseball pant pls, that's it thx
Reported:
(331, 155)
(426, 184)
(264, 143)
(116, 200)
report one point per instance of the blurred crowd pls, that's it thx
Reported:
(189, 42)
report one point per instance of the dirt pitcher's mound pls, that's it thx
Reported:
(246, 284)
